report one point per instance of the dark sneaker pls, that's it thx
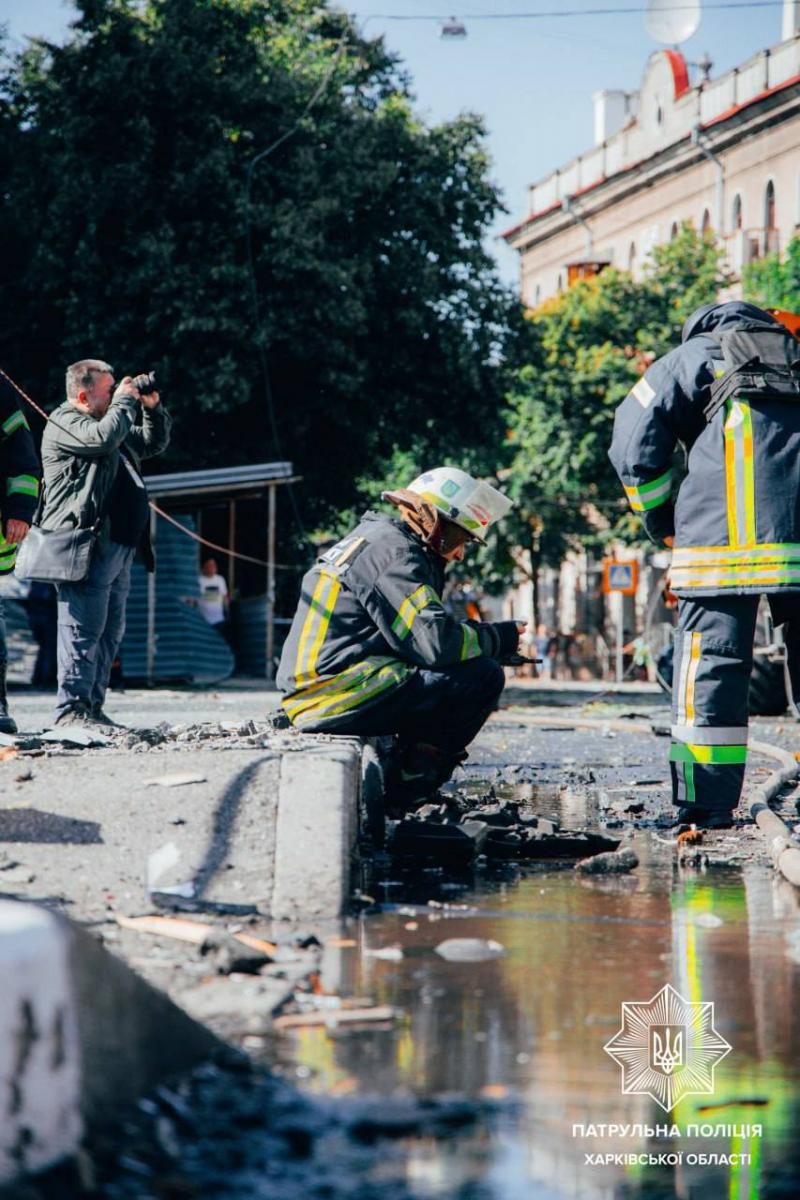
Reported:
(76, 714)
(704, 818)
(7, 723)
(102, 718)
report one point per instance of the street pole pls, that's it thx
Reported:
(151, 608)
(620, 603)
(270, 611)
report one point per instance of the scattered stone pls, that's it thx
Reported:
(469, 950)
(617, 862)
(707, 920)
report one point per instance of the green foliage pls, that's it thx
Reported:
(773, 281)
(591, 344)
(124, 210)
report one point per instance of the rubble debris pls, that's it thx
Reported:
(547, 843)
(25, 775)
(230, 951)
(169, 927)
(387, 953)
(617, 862)
(379, 1014)
(73, 736)
(448, 843)
(175, 779)
(707, 920)
(469, 950)
(159, 863)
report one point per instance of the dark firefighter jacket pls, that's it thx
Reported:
(736, 518)
(19, 470)
(370, 612)
(73, 440)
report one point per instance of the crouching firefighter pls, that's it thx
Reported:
(373, 651)
(730, 394)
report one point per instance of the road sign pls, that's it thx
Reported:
(620, 577)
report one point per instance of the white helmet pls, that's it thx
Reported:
(465, 501)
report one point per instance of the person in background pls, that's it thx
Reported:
(91, 452)
(20, 474)
(214, 603)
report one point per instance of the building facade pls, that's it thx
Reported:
(723, 154)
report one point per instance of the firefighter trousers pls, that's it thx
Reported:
(446, 707)
(711, 680)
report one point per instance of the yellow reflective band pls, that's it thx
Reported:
(694, 663)
(724, 556)
(320, 611)
(350, 689)
(14, 422)
(413, 604)
(470, 645)
(645, 496)
(740, 474)
(685, 577)
(25, 485)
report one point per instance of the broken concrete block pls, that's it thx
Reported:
(615, 863)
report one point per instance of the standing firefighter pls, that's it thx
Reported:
(372, 650)
(730, 394)
(19, 491)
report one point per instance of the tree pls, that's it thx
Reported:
(773, 281)
(321, 302)
(591, 344)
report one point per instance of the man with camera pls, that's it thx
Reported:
(91, 452)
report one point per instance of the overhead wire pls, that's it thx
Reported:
(260, 562)
(547, 14)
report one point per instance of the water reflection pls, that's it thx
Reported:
(532, 1025)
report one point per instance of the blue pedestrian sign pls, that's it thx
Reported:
(620, 577)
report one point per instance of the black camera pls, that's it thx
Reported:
(146, 384)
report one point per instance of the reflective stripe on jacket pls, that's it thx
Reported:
(736, 516)
(370, 612)
(19, 471)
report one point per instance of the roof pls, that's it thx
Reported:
(223, 479)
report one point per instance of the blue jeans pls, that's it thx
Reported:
(91, 622)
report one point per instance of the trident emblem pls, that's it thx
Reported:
(667, 1048)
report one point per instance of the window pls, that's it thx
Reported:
(769, 206)
(673, 233)
(632, 257)
(736, 213)
(705, 224)
(560, 283)
(537, 295)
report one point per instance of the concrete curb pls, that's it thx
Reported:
(316, 831)
(80, 1036)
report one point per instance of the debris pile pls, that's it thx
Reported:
(456, 831)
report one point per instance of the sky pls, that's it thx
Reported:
(532, 79)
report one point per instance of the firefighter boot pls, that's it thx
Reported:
(7, 723)
(415, 775)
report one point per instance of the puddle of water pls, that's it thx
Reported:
(528, 1028)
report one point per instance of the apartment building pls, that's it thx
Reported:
(723, 153)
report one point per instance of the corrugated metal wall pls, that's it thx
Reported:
(187, 648)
